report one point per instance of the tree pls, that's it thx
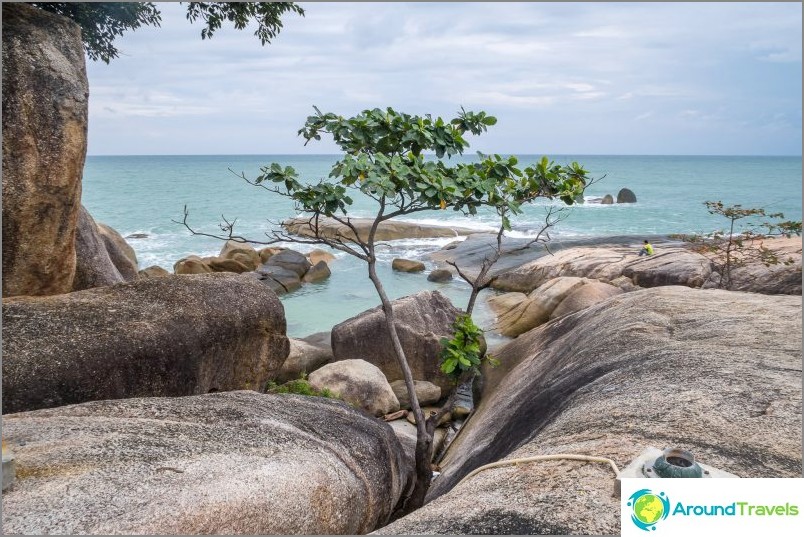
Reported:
(101, 23)
(730, 250)
(384, 159)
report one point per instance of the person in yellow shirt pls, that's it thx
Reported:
(647, 249)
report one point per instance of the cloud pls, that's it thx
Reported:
(574, 70)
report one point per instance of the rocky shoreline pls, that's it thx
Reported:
(144, 402)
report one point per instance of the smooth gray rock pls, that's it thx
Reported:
(225, 463)
(714, 372)
(439, 276)
(93, 266)
(290, 260)
(180, 335)
(625, 195)
(426, 392)
(303, 358)
(359, 383)
(607, 200)
(317, 273)
(120, 252)
(421, 321)
(45, 93)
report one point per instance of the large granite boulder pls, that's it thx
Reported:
(584, 297)
(359, 383)
(626, 195)
(45, 94)
(152, 337)
(714, 372)
(671, 265)
(386, 231)
(421, 321)
(93, 267)
(539, 305)
(784, 278)
(224, 463)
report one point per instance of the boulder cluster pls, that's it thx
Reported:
(283, 270)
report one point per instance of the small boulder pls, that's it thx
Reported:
(154, 271)
(625, 283)
(247, 257)
(607, 200)
(626, 196)
(290, 260)
(93, 266)
(120, 252)
(426, 392)
(218, 264)
(232, 244)
(320, 255)
(407, 265)
(440, 276)
(267, 253)
(137, 236)
(318, 272)
(287, 279)
(359, 383)
(303, 358)
(191, 265)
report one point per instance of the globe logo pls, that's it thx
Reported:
(648, 508)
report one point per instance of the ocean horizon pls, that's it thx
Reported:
(145, 194)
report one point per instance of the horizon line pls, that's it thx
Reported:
(433, 154)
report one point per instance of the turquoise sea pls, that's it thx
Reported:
(143, 194)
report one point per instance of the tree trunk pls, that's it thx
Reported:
(424, 438)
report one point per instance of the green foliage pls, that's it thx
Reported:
(462, 353)
(384, 158)
(102, 22)
(730, 250)
(300, 386)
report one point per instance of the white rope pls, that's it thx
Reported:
(535, 458)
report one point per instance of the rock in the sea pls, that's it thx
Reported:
(154, 271)
(607, 200)
(426, 392)
(407, 265)
(626, 196)
(151, 337)
(219, 264)
(303, 358)
(359, 383)
(137, 236)
(45, 94)
(224, 463)
(280, 279)
(318, 272)
(93, 267)
(191, 265)
(386, 231)
(266, 253)
(245, 255)
(320, 255)
(440, 276)
(714, 372)
(290, 260)
(421, 321)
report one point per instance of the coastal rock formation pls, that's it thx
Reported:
(625, 195)
(154, 271)
(426, 392)
(407, 265)
(303, 358)
(320, 255)
(191, 264)
(439, 276)
(783, 278)
(318, 272)
(421, 321)
(539, 305)
(290, 260)
(585, 296)
(45, 94)
(714, 372)
(151, 337)
(93, 267)
(359, 383)
(607, 200)
(386, 231)
(224, 463)
(120, 252)
(241, 252)
(668, 266)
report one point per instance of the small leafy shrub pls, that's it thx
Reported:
(300, 386)
(461, 354)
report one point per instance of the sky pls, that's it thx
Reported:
(562, 78)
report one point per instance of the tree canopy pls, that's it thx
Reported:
(102, 22)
